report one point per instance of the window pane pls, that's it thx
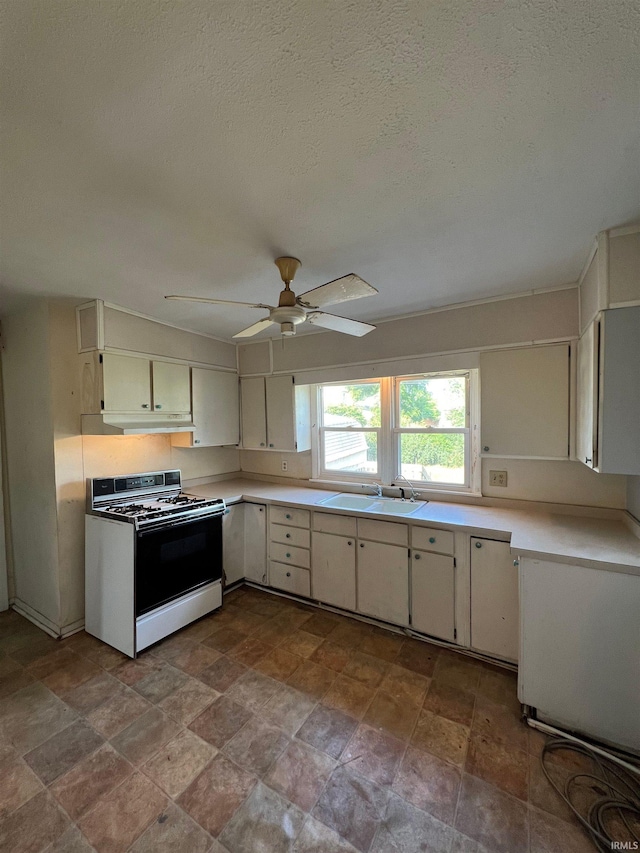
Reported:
(351, 405)
(436, 458)
(435, 402)
(354, 452)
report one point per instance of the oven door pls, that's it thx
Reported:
(176, 559)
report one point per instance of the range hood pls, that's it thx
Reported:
(110, 424)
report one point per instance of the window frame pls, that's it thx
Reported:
(389, 433)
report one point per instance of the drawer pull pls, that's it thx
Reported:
(287, 515)
(416, 556)
(287, 556)
(288, 574)
(287, 536)
(478, 544)
(432, 539)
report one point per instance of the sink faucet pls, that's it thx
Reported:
(376, 486)
(414, 491)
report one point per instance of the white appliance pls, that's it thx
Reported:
(153, 558)
(580, 649)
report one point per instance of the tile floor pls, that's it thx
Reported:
(266, 727)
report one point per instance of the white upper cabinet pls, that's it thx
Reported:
(276, 414)
(137, 385)
(608, 390)
(216, 413)
(611, 276)
(525, 402)
(171, 390)
(126, 383)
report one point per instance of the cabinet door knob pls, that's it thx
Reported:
(287, 515)
(362, 544)
(196, 441)
(516, 562)
(486, 448)
(287, 536)
(145, 405)
(260, 510)
(587, 460)
(478, 544)
(288, 574)
(416, 556)
(262, 444)
(287, 556)
(158, 405)
(349, 542)
(432, 539)
(271, 445)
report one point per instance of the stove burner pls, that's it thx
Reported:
(127, 509)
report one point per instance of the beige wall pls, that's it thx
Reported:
(633, 496)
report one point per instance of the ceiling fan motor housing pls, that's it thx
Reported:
(287, 329)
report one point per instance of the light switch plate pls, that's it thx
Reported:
(498, 478)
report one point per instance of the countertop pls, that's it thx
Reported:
(575, 539)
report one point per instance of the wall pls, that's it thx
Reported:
(49, 461)
(633, 496)
(419, 343)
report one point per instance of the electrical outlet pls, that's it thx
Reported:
(498, 478)
(285, 465)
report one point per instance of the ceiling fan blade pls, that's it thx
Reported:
(340, 290)
(339, 324)
(253, 330)
(219, 302)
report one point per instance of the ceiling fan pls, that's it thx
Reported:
(292, 310)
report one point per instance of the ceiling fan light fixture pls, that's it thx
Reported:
(287, 330)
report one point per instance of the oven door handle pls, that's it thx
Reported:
(145, 531)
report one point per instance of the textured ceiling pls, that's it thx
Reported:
(444, 151)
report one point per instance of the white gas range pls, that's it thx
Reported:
(153, 558)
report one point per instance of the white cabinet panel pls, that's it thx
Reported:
(432, 539)
(383, 531)
(233, 543)
(255, 543)
(254, 413)
(587, 402)
(525, 402)
(289, 554)
(126, 383)
(280, 415)
(289, 516)
(171, 388)
(325, 522)
(433, 594)
(290, 578)
(333, 560)
(494, 599)
(289, 535)
(216, 414)
(383, 582)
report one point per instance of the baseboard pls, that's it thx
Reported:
(38, 619)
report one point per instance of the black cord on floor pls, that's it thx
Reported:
(614, 791)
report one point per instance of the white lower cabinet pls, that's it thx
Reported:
(290, 578)
(433, 594)
(383, 581)
(233, 543)
(334, 569)
(494, 599)
(255, 543)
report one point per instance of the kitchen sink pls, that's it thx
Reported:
(366, 503)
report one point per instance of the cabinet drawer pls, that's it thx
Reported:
(289, 516)
(342, 525)
(290, 578)
(289, 535)
(289, 554)
(383, 531)
(432, 539)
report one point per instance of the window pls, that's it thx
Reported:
(419, 427)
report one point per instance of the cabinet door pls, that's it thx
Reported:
(215, 407)
(280, 396)
(126, 383)
(255, 543)
(333, 576)
(494, 599)
(587, 399)
(254, 416)
(433, 594)
(383, 582)
(171, 387)
(233, 543)
(525, 402)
